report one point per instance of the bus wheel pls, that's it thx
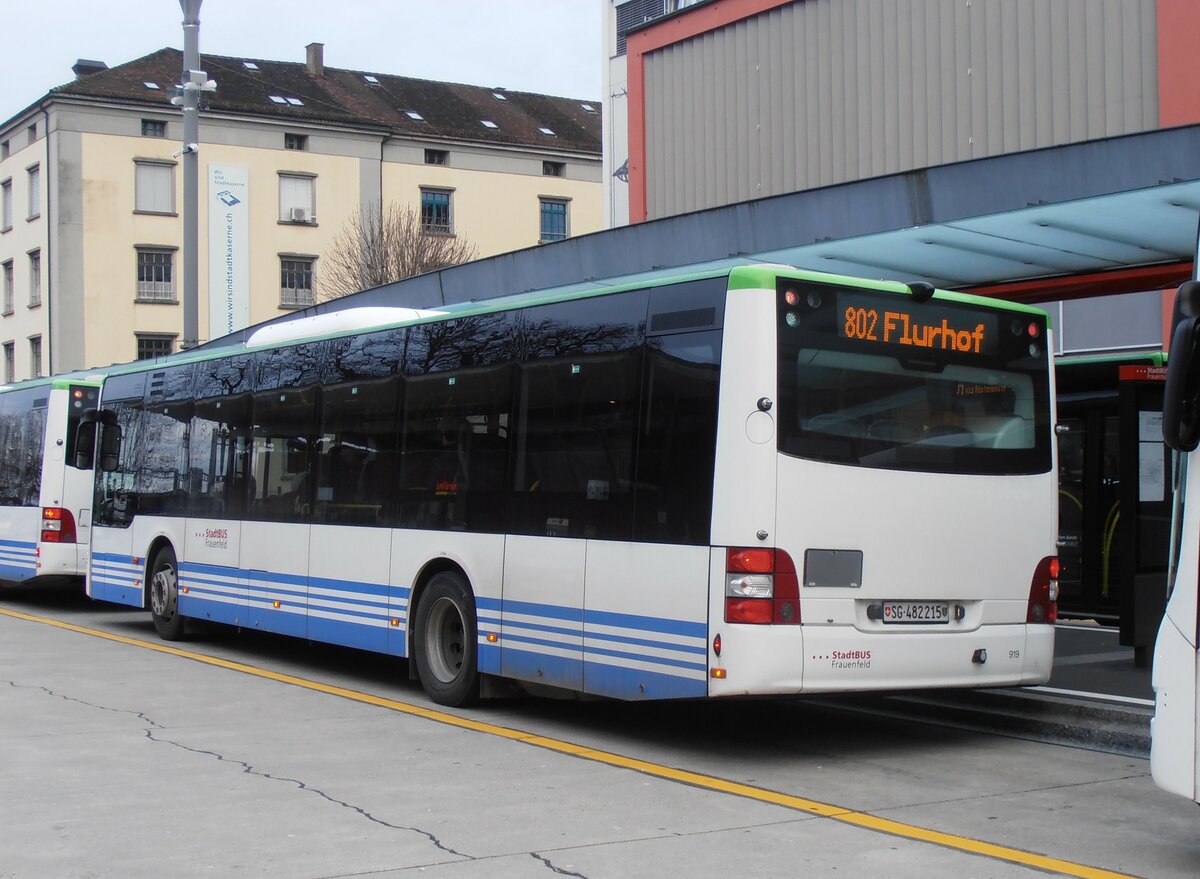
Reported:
(445, 648)
(164, 596)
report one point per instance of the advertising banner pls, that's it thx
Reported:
(228, 250)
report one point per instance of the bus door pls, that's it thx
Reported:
(349, 599)
(218, 473)
(1145, 504)
(571, 476)
(556, 485)
(652, 643)
(115, 573)
(275, 533)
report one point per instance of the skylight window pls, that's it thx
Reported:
(588, 108)
(414, 115)
(488, 123)
(275, 99)
(548, 132)
(295, 102)
(371, 79)
(152, 85)
(250, 65)
(499, 97)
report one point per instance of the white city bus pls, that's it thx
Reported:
(758, 480)
(45, 499)
(1174, 762)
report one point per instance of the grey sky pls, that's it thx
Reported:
(547, 46)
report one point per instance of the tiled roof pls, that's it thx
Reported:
(447, 110)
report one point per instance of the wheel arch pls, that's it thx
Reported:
(431, 569)
(160, 542)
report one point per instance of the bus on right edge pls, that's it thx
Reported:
(1173, 747)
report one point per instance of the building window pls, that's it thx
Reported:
(154, 185)
(554, 219)
(155, 275)
(296, 281)
(296, 199)
(154, 128)
(10, 361)
(35, 356)
(152, 345)
(32, 132)
(436, 157)
(435, 212)
(295, 141)
(35, 191)
(553, 169)
(35, 278)
(6, 205)
(4, 149)
(8, 287)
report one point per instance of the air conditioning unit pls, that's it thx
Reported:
(299, 215)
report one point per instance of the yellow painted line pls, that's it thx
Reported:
(683, 776)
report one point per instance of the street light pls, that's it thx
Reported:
(195, 81)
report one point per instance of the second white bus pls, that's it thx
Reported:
(45, 497)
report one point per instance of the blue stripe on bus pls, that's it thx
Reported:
(649, 659)
(700, 650)
(646, 624)
(615, 654)
(19, 544)
(633, 683)
(512, 624)
(380, 589)
(662, 625)
(17, 572)
(543, 642)
(556, 671)
(554, 611)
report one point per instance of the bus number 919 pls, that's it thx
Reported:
(860, 323)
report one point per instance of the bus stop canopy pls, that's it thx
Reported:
(1112, 215)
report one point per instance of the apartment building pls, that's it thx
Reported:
(91, 185)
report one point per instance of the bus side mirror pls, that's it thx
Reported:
(110, 442)
(85, 439)
(1181, 398)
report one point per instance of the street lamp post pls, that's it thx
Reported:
(195, 81)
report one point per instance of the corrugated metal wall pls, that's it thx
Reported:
(826, 91)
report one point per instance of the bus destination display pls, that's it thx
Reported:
(930, 325)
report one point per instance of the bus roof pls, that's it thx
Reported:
(329, 326)
(91, 377)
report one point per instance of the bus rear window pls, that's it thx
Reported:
(873, 379)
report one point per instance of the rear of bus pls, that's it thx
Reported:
(885, 504)
(45, 510)
(64, 530)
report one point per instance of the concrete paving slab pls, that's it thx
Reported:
(120, 761)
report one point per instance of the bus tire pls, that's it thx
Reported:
(445, 647)
(164, 595)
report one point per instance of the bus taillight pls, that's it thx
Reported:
(58, 525)
(761, 586)
(1043, 592)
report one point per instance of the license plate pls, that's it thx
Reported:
(916, 612)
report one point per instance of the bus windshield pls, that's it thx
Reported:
(877, 380)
